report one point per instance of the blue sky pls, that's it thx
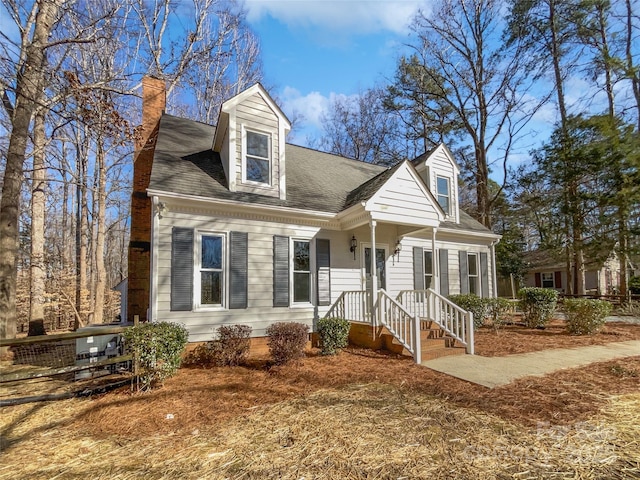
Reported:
(314, 50)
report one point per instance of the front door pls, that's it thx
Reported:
(381, 267)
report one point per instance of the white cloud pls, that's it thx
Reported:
(311, 106)
(355, 16)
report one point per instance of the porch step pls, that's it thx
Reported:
(442, 352)
(436, 343)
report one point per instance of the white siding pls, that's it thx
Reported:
(403, 199)
(439, 164)
(255, 114)
(260, 312)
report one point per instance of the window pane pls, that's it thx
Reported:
(301, 287)
(444, 203)
(258, 170)
(473, 265)
(428, 263)
(211, 288)
(443, 186)
(257, 144)
(301, 256)
(473, 285)
(211, 252)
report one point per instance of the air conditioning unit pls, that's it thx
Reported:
(95, 348)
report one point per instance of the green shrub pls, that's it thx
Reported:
(537, 305)
(499, 311)
(585, 316)
(634, 285)
(287, 341)
(474, 304)
(334, 334)
(158, 349)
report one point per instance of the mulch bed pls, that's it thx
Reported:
(517, 338)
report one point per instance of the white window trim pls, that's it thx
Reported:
(197, 260)
(476, 276)
(312, 286)
(448, 179)
(244, 157)
(553, 279)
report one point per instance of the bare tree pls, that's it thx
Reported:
(360, 127)
(481, 81)
(29, 83)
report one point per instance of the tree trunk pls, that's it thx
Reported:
(632, 70)
(81, 232)
(37, 266)
(30, 83)
(100, 283)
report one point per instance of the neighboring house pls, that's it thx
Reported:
(549, 271)
(240, 227)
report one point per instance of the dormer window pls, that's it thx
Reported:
(257, 159)
(444, 194)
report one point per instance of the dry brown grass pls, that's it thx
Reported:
(358, 415)
(361, 414)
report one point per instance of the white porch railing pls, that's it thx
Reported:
(354, 305)
(402, 316)
(450, 317)
(404, 326)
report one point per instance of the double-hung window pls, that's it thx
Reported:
(258, 157)
(444, 193)
(301, 271)
(474, 285)
(428, 268)
(211, 270)
(547, 280)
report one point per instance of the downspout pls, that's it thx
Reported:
(153, 260)
(434, 263)
(493, 268)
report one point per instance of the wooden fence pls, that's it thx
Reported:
(50, 367)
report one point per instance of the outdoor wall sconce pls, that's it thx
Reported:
(354, 244)
(398, 248)
(162, 209)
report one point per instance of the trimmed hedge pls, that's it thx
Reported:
(287, 341)
(537, 305)
(158, 348)
(474, 304)
(230, 348)
(334, 334)
(499, 311)
(585, 316)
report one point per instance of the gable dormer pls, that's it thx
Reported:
(250, 138)
(439, 171)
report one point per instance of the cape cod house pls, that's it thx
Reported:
(232, 225)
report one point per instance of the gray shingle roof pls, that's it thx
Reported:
(184, 163)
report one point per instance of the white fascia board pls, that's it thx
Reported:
(235, 205)
(469, 233)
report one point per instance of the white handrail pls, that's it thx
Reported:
(454, 320)
(404, 326)
(352, 305)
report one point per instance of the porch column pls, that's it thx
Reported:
(374, 273)
(434, 263)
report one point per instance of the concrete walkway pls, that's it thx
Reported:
(495, 371)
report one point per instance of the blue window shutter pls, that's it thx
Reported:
(323, 266)
(280, 271)
(443, 262)
(484, 274)
(418, 268)
(464, 272)
(181, 269)
(238, 271)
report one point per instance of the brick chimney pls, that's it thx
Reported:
(153, 105)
